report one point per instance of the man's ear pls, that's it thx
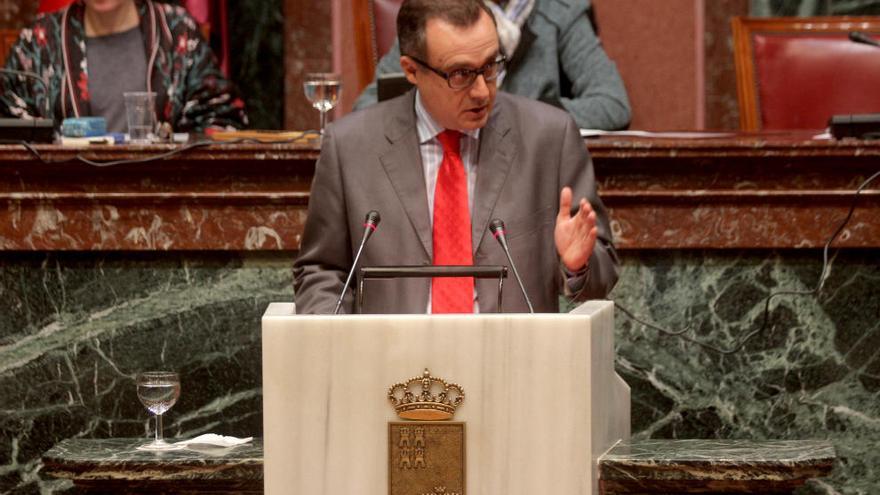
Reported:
(410, 67)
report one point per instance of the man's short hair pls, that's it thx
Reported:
(415, 14)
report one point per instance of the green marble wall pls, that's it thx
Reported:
(76, 327)
(814, 373)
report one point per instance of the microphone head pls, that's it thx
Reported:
(372, 219)
(495, 226)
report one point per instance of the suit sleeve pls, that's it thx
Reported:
(576, 171)
(325, 253)
(599, 99)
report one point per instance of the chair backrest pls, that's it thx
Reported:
(795, 73)
(7, 39)
(376, 30)
(385, 22)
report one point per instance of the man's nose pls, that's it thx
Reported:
(479, 89)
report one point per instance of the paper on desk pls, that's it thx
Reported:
(659, 134)
(215, 440)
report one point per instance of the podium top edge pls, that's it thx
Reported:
(286, 309)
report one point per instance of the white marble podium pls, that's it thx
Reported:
(542, 399)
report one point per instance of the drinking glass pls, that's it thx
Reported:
(140, 109)
(158, 391)
(322, 90)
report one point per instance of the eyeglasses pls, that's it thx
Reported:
(463, 78)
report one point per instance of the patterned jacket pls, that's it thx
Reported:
(191, 91)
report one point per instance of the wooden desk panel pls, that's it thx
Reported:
(747, 191)
(226, 197)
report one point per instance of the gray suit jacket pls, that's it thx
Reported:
(370, 161)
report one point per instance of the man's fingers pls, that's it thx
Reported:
(564, 204)
(585, 213)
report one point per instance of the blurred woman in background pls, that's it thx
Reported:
(92, 51)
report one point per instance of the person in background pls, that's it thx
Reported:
(553, 56)
(92, 51)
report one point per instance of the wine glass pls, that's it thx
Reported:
(322, 89)
(158, 391)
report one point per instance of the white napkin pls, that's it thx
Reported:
(215, 440)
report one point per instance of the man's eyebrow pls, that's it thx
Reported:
(460, 66)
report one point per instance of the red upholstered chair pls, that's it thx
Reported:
(795, 73)
(376, 30)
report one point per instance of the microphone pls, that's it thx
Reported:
(860, 125)
(860, 37)
(496, 226)
(35, 77)
(370, 224)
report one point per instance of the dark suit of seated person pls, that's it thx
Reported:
(92, 51)
(555, 56)
(439, 163)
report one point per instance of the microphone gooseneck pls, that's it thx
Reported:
(860, 37)
(496, 226)
(371, 222)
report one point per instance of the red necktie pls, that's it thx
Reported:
(452, 230)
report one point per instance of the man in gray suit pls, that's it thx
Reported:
(440, 163)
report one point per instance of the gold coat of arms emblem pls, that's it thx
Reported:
(426, 453)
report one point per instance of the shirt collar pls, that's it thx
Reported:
(428, 128)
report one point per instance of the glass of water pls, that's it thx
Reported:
(322, 89)
(158, 391)
(140, 111)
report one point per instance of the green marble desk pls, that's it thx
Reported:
(114, 466)
(713, 466)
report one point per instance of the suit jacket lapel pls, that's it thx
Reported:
(402, 162)
(497, 152)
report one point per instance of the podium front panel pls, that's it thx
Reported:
(542, 398)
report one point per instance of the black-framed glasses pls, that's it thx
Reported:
(463, 78)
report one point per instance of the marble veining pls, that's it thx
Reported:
(118, 458)
(76, 326)
(714, 466)
(717, 459)
(813, 373)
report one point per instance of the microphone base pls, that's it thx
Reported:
(861, 126)
(32, 131)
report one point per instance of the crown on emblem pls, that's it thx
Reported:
(425, 398)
